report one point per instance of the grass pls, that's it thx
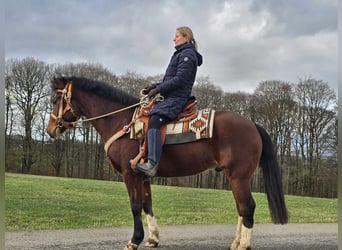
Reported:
(40, 202)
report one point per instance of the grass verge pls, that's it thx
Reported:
(40, 202)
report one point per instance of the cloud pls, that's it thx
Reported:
(293, 18)
(242, 42)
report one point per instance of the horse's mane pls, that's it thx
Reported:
(101, 89)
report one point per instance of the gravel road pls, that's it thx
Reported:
(187, 237)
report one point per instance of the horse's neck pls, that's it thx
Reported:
(108, 125)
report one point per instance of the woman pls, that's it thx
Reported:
(176, 89)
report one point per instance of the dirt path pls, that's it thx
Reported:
(187, 237)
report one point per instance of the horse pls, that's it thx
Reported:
(237, 147)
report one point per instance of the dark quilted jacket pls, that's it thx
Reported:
(178, 81)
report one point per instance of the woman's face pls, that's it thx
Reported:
(179, 39)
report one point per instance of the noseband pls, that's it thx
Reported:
(65, 96)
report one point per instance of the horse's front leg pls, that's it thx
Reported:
(134, 186)
(153, 238)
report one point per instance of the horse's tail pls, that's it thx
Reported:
(272, 179)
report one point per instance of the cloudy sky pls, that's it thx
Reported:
(243, 42)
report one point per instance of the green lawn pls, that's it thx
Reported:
(39, 202)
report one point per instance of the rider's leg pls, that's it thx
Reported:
(154, 143)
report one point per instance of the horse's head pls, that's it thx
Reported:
(63, 115)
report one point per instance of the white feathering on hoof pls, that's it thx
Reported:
(131, 246)
(243, 237)
(153, 239)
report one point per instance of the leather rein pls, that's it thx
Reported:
(66, 95)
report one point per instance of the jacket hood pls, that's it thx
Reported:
(191, 46)
(199, 58)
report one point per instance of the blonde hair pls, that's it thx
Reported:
(187, 32)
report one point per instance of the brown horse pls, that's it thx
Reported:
(237, 147)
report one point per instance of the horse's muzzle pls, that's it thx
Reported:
(55, 131)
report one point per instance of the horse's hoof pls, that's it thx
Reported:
(131, 246)
(151, 244)
(248, 248)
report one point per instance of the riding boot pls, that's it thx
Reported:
(154, 153)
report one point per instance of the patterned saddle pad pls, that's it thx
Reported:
(198, 127)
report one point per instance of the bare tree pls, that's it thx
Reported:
(237, 102)
(56, 152)
(9, 121)
(273, 107)
(39, 133)
(316, 105)
(93, 71)
(132, 83)
(27, 80)
(71, 152)
(207, 94)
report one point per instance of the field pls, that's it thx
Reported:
(40, 202)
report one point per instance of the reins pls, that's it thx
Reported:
(144, 101)
(112, 113)
(66, 94)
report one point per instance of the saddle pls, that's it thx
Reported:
(191, 125)
(141, 118)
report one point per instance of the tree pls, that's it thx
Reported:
(9, 121)
(133, 83)
(237, 102)
(39, 133)
(26, 80)
(207, 94)
(273, 106)
(89, 70)
(316, 104)
(56, 153)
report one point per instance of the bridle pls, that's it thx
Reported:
(65, 97)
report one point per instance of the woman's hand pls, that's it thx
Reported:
(147, 89)
(153, 92)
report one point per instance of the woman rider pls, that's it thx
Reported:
(176, 89)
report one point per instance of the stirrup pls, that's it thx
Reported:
(147, 168)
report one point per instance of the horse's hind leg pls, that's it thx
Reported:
(245, 205)
(153, 238)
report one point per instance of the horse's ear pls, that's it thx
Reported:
(58, 83)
